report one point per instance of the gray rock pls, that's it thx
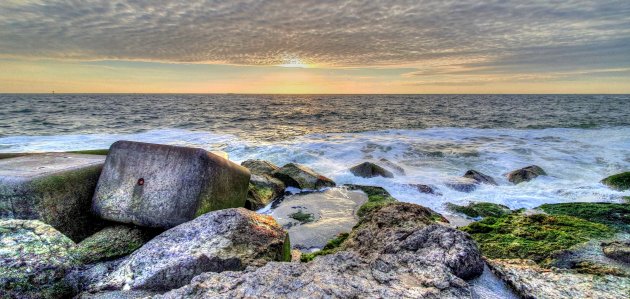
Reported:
(531, 281)
(260, 167)
(462, 184)
(389, 256)
(331, 212)
(424, 189)
(618, 250)
(480, 177)
(224, 240)
(263, 189)
(302, 177)
(55, 188)
(34, 258)
(79, 278)
(110, 243)
(162, 186)
(525, 174)
(370, 170)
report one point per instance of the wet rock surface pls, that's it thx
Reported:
(480, 209)
(56, 188)
(34, 258)
(326, 214)
(262, 191)
(397, 250)
(230, 239)
(370, 170)
(620, 181)
(462, 184)
(260, 167)
(480, 177)
(525, 174)
(302, 177)
(162, 186)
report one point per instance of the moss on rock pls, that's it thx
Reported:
(620, 181)
(615, 215)
(480, 209)
(110, 243)
(534, 237)
(377, 197)
(330, 247)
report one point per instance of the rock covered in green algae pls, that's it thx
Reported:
(302, 177)
(262, 191)
(536, 237)
(531, 281)
(110, 243)
(615, 215)
(480, 177)
(161, 186)
(525, 174)
(223, 240)
(34, 257)
(620, 181)
(260, 167)
(480, 209)
(370, 170)
(56, 188)
(397, 251)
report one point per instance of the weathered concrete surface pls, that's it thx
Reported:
(397, 251)
(302, 177)
(55, 188)
(332, 211)
(531, 281)
(34, 258)
(224, 240)
(162, 186)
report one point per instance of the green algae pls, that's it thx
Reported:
(615, 215)
(110, 243)
(377, 197)
(620, 181)
(330, 247)
(534, 237)
(286, 249)
(480, 209)
(302, 217)
(102, 152)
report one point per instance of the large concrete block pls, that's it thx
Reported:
(56, 188)
(163, 186)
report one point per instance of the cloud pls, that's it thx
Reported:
(436, 35)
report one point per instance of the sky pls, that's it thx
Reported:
(251, 46)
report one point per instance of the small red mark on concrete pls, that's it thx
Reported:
(140, 181)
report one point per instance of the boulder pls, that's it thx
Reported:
(163, 186)
(462, 184)
(302, 177)
(479, 177)
(370, 170)
(224, 240)
(260, 167)
(55, 188)
(619, 182)
(389, 256)
(262, 191)
(314, 218)
(110, 243)
(34, 258)
(618, 250)
(525, 174)
(480, 209)
(80, 277)
(531, 281)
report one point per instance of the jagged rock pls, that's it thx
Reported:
(224, 240)
(370, 170)
(302, 177)
(396, 252)
(525, 174)
(531, 281)
(462, 184)
(260, 167)
(617, 250)
(480, 209)
(480, 177)
(162, 186)
(34, 257)
(620, 181)
(263, 190)
(55, 188)
(392, 166)
(110, 243)
(328, 213)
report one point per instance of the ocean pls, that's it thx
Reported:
(577, 139)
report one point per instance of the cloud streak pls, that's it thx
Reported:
(332, 33)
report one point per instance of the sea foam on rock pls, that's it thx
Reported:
(55, 188)
(302, 177)
(397, 250)
(224, 240)
(158, 185)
